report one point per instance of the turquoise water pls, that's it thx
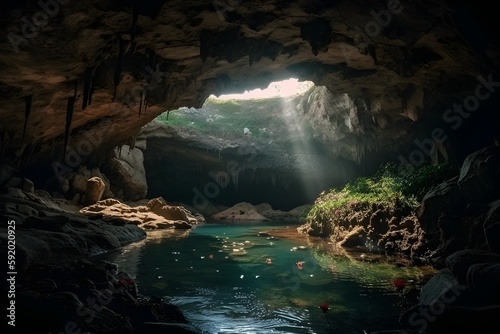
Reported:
(218, 275)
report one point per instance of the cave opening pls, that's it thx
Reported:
(257, 146)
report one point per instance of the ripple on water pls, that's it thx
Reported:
(222, 312)
(220, 291)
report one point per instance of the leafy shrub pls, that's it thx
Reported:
(389, 187)
(417, 181)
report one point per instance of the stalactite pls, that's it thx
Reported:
(141, 102)
(28, 100)
(69, 117)
(87, 83)
(145, 100)
(168, 113)
(119, 66)
(132, 142)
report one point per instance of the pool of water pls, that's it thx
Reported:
(227, 279)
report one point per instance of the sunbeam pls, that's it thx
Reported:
(301, 138)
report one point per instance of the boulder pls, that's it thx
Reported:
(460, 262)
(126, 172)
(240, 211)
(446, 198)
(480, 175)
(107, 190)
(94, 191)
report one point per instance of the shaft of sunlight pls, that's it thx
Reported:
(306, 159)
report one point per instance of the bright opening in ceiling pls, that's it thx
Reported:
(283, 88)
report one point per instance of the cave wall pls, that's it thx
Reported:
(79, 78)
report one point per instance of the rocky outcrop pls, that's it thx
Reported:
(49, 231)
(91, 75)
(157, 214)
(462, 297)
(73, 184)
(461, 213)
(375, 228)
(91, 297)
(126, 173)
(241, 211)
(260, 212)
(297, 214)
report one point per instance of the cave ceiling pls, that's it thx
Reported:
(95, 72)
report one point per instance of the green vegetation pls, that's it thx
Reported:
(227, 119)
(390, 187)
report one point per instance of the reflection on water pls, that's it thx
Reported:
(228, 279)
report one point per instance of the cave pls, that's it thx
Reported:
(127, 127)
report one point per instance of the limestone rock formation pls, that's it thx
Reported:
(92, 297)
(295, 214)
(73, 184)
(156, 215)
(240, 211)
(48, 230)
(462, 297)
(126, 172)
(460, 213)
(94, 191)
(90, 75)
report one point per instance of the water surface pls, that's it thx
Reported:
(227, 279)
